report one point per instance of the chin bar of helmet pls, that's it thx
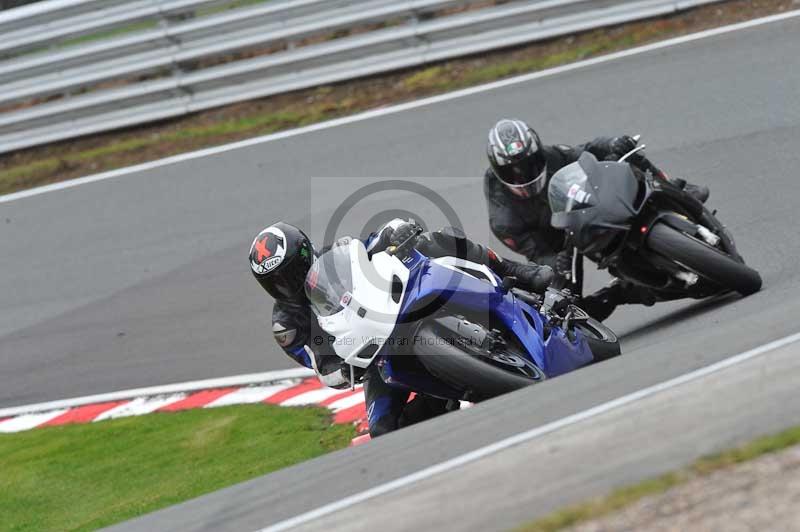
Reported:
(523, 185)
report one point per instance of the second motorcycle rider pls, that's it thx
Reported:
(515, 187)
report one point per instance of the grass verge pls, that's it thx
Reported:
(628, 495)
(65, 160)
(81, 477)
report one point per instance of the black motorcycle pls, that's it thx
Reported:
(628, 218)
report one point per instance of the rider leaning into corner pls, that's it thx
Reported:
(281, 256)
(515, 187)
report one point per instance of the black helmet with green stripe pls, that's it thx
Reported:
(516, 157)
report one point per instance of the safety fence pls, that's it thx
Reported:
(76, 67)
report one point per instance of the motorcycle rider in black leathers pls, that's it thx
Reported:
(281, 256)
(515, 187)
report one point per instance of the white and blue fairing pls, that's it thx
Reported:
(360, 301)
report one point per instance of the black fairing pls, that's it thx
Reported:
(618, 196)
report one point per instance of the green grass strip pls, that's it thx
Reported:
(82, 477)
(628, 495)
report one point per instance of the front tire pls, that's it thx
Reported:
(706, 261)
(466, 368)
(602, 340)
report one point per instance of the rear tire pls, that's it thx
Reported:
(704, 260)
(464, 368)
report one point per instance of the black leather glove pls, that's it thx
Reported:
(402, 233)
(563, 264)
(332, 371)
(530, 277)
(543, 279)
(622, 145)
(338, 379)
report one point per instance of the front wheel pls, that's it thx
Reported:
(706, 261)
(478, 374)
(602, 340)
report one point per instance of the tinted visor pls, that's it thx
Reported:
(287, 281)
(330, 281)
(529, 173)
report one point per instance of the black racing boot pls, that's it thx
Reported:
(602, 303)
(698, 192)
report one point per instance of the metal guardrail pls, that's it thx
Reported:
(8, 4)
(39, 26)
(161, 72)
(55, 73)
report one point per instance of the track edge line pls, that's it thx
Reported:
(522, 437)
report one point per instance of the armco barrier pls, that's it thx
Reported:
(69, 69)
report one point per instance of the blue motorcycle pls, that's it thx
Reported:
(447, 327)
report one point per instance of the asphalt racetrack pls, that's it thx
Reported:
(143, 279)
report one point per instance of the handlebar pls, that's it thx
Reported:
(638, 159)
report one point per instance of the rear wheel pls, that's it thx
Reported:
(478, 373)
(706, 261)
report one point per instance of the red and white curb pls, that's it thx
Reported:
(284, 388)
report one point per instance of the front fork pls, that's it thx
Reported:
(685, 225)
(571, 279)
